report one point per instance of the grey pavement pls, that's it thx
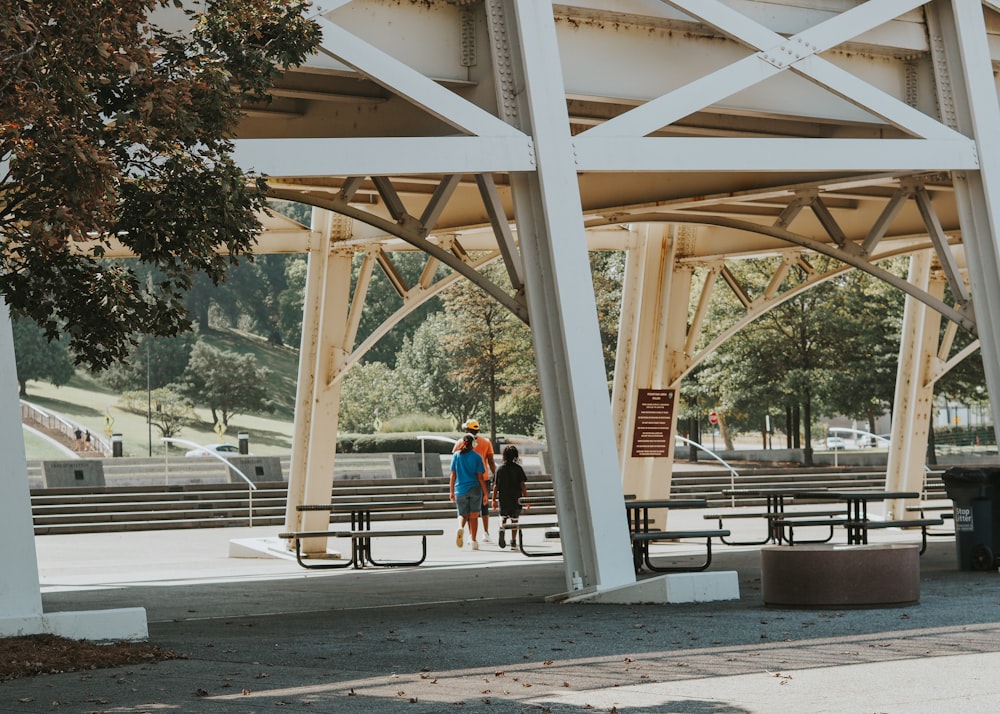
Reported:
(472, 631)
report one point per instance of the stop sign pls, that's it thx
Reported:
(713, 418)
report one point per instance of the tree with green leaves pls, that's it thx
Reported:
(225, 382)
(370, 397)
(153, 362)
(168, 410)
(37, 358)
(869, 329)
(488, 347)
(608, 272)
(426, 372)
(788, 360)
(114, 127)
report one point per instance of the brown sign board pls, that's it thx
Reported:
(654, 415)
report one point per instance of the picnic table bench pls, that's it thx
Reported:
(855, 520)
(774, 532)
(551, 527)
(360, 532)
(642, 533)
(945, 512)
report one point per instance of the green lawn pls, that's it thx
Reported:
(87, 402)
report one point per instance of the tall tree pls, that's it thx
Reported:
(426, 372)
(226, 382)
(154, 362)
(37, 358)
(865, 386)
(608, 270)
(113, 127)
(484, 343)
(786, 359)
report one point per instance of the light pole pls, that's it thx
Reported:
(149, 402)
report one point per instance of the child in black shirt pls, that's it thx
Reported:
(509, 485)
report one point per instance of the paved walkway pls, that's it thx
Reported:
(471, 631)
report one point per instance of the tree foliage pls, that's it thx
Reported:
(226, 382)
(153, 362)
(371, 396)
(168, 410)
(37, 358)
(789, 360)
(113, 127)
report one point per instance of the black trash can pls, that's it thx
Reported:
(976, 496)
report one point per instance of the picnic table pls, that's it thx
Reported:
(774, 512)
(856, 521)
(361, 533)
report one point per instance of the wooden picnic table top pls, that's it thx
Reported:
(771, 491)
(666, 503)
(853, 496)
(354, 506)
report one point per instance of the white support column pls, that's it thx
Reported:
(914, 396)
(306, 383)
(19, 593)
(626, 351)
(327, 340)
(966, 85)
(20, 589)
(655, 342)
(561, 303)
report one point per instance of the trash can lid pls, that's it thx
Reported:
(971, 474)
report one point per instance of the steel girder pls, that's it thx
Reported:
(812, 124)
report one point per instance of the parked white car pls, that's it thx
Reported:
(224, 449)
(834, 443)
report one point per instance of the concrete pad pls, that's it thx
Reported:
(672, 588)
(267, 548)
(97, 625)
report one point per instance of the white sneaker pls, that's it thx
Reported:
(486, 537)
(475, 545)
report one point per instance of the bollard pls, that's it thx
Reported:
(116, 445)
(244, 438)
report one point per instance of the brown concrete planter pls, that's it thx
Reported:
(827, 575)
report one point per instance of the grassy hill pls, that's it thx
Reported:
(88, 402)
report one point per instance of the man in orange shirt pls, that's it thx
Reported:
(484, 447)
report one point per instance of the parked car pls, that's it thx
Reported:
(224, 449)
(834, 443)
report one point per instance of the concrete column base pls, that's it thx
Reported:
(97, 625)
(669, 589)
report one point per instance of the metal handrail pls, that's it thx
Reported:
(227, 462)
(432, 437)
(732, 472)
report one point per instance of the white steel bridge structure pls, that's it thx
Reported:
(685, 132)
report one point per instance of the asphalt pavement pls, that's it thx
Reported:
(473, 631)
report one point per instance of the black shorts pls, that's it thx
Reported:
(508, 510)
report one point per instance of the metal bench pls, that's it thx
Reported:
(361, 551)
(553, 532)
(863, 526)
(773, 533)
(642, 539)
